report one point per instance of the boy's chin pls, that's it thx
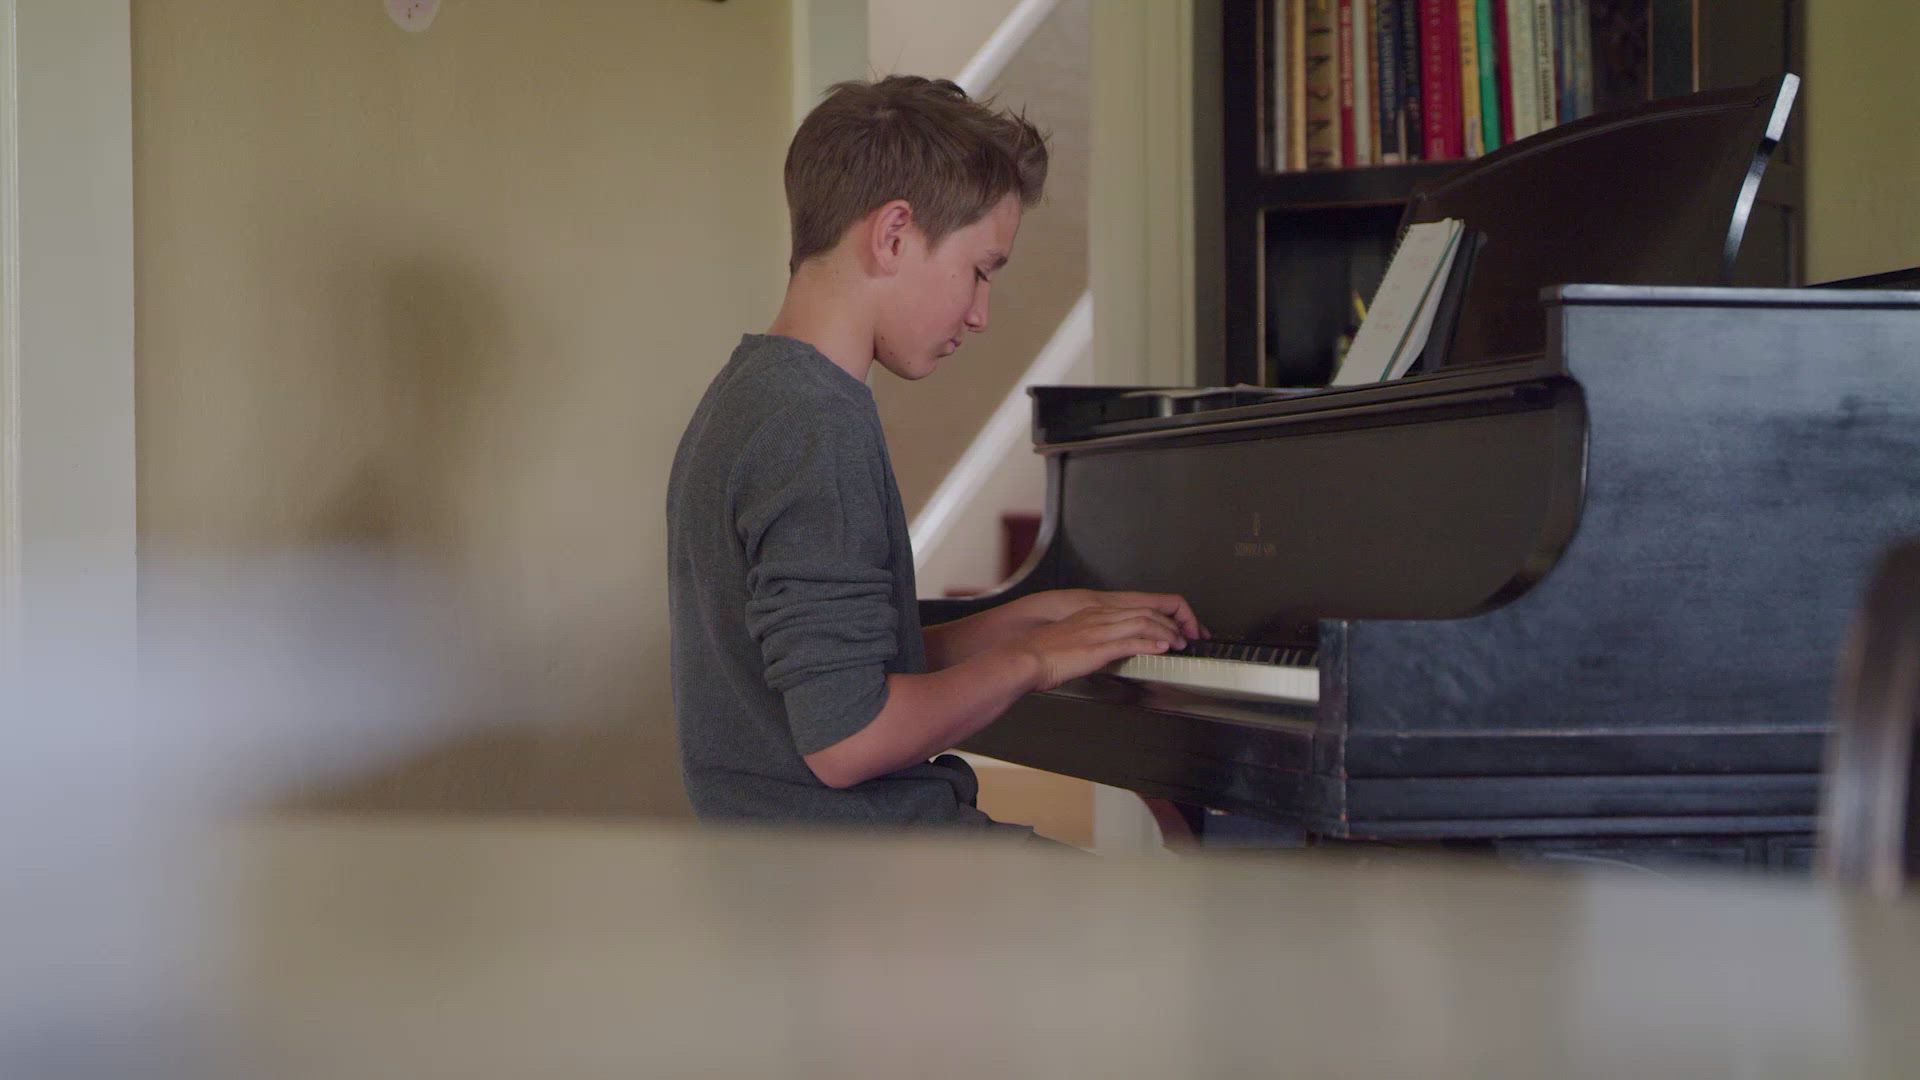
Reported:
(915, 369)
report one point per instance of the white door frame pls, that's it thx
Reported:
(66, 298)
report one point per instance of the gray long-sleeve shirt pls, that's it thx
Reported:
(791, 583)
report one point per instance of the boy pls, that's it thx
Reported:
(805, 688)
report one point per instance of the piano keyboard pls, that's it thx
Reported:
(1233, 670)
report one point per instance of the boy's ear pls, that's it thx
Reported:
(887, 230)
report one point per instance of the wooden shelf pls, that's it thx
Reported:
(1376, 185)
(1285, 252)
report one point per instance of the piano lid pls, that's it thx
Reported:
(1654, 195)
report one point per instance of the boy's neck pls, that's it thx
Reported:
(829, 316)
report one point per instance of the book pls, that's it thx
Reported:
(1322, 75)
(1275, 99)
(1563, 60)
(1366, 140)
(1343, 63)
(1489, 75)
(1387, 104)
(1545, 79)
(1439, 80)
(1524, 95)
(1582, 15)
(1296, 12)
(1396, 327)
(1465, 15)
(1412, 124)
(1503, 71)
(1440, 332)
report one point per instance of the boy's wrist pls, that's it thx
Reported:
(1028, 666)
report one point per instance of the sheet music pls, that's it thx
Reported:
(1397, 325)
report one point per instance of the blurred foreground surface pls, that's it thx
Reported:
(154, 922)
(500, 949)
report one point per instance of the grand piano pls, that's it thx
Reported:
(1576, 588)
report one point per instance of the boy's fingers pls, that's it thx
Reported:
(1172, 605)
(1145, 622)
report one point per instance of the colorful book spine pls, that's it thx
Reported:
(1440, 78)
(1366, 140)
(1546, 81)
(1503, 70)
(1471, 144)
(1295, 19)
(1412, 123)
(1323, 86)
(1489, 75)
(1387, 106)
(1524, 95)
(1343, 60)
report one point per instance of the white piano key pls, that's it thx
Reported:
(1225, 678)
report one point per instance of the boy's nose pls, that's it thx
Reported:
(977, 316)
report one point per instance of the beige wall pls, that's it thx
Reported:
(929, 424)
(457, 289)
(1863, 144)
(934, 38)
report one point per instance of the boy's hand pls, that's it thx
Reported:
(1095, 636)
(1064, 603)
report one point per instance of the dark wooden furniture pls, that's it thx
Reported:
(1870, 809)
(1280, 254)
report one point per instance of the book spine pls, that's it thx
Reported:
(1435, 45)
(1296, 84)
(1543, 65)
(1455, 120)
(1366, 141)
(1412, 123)
(1343, 59)
(1563, 59)
(1503, 70)
(1386, 53)
(1471, 144)
(1273, 97)
(1583, 58)
(1323, 87)
(1489, 75)
(1525, 96)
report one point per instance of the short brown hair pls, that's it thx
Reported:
(905, 137)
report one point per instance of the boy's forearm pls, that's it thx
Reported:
(928, 714)
(956, 642)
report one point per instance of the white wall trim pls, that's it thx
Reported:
(67, 458)
(9, 319)
(1140, 238)
(1001, 46)
(1008, 426)
(829, 45)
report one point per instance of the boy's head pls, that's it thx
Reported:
(921, 188)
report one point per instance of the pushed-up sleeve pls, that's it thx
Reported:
(811, 516)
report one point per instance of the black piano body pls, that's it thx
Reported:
(1600, 593)
(1588, 578)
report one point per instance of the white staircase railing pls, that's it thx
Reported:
(1003, 438)
(1002, 44)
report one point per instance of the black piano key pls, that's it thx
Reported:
(1248, 653)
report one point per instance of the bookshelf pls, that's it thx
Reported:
(1282, 251)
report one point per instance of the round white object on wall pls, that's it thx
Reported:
(413, 16)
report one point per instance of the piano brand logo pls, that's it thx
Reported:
(1255, 548)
